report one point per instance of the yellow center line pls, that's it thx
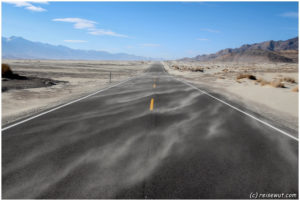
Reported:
(151, 104)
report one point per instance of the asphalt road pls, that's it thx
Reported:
(152, 137)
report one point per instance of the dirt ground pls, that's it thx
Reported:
(68, 80)
(78, 78)
(271, 92)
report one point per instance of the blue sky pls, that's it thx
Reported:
(155, 29)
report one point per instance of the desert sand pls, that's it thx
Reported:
(78, 78)
(274, 93)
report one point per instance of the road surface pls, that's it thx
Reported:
(151, 137)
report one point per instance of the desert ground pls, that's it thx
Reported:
(269, 89)
(56, 82)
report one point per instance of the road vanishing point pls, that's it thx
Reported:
(152, 136)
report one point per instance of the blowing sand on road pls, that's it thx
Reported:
(150, 100)
(152, 136)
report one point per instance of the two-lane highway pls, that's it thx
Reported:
(150, 137)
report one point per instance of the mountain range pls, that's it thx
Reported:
(20, 48)
(268, 51)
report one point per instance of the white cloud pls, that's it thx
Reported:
(41, 2)
(79, 23)
(75, 41)
(106, 32)
(210, 30)
(18, 3)
(202, 39)
(89, 25)
(150, 45)
(35, 8)
(289, 14)
(27, 5)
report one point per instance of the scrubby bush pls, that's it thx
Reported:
(262, 82)
(197, 70)
(175, 67)
(242, 76)
(289, 79)
(6, 71)
(277, 84)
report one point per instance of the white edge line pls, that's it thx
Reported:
(249, 115)
(64, 105)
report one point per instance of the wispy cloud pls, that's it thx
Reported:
(39, 2)
(289, 14)
(150, 45)
(89, 25)
(75, 41)
(28, 6)
(202, 39)
(105, 32)
(78, 22)
(35, 8)
(210, 30)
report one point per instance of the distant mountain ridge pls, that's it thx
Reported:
(20, 48)
(268, 51)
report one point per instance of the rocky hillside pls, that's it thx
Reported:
(269, 51)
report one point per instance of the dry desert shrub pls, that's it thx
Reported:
(262, 82)
(289, 79)
(295, 89)
(176, 67)
(274, 83)
(277, 84)
(6, 70)
(185, 68)
(198, 69)
(242, 76)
